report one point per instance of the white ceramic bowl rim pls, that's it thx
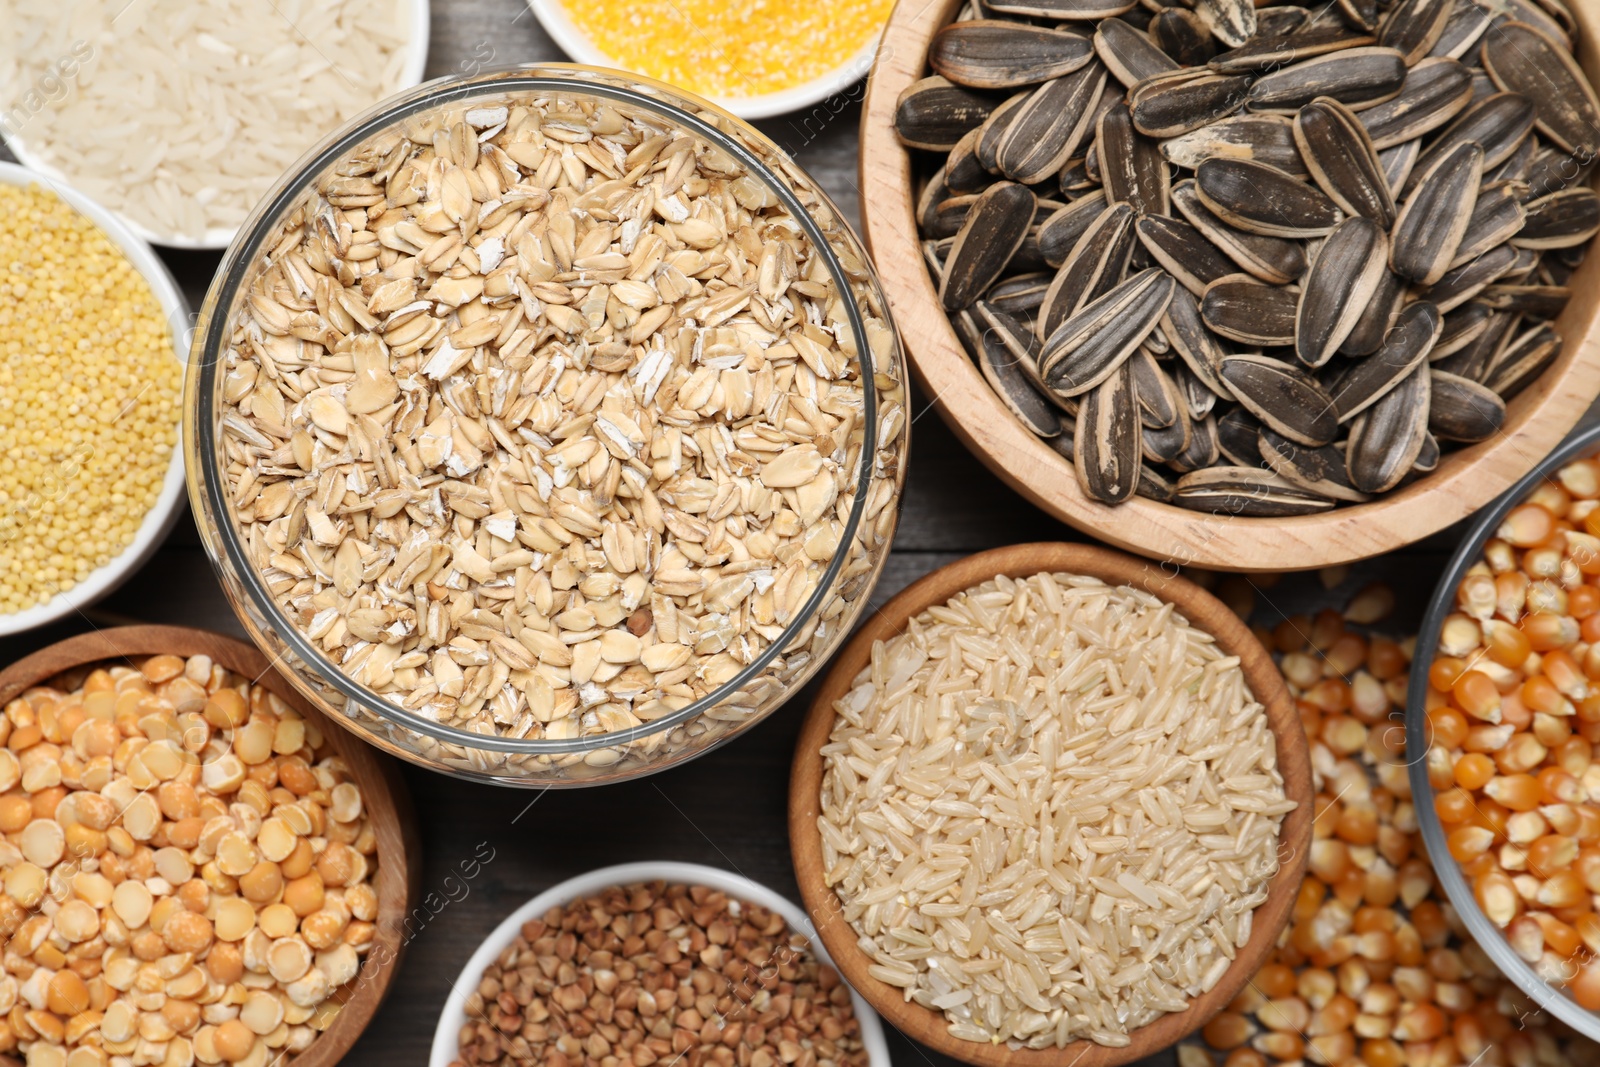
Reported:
(158, 521)
(454, 1014)
(216, 238)
(553, 16)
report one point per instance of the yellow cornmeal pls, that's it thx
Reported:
(89, 394)
(718, 48)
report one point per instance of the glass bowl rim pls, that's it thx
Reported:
(1583, 442)
(237, 269)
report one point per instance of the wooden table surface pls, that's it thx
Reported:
(727, 809)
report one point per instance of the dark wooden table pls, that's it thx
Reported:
(727, 809)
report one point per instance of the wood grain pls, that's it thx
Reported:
(1466, 479)
(1205, 612)
(383, 793)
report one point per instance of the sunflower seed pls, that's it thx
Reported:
(1413, 27)
(993, 130)
(1360, 77)
(1283, 397)
(1474, 359)
(1095, 341)
(1020, 294)
(1365, 381)
(1281, 21)
(1497, 124)
(1542, 301)
(1060, 231)
(1561, 220)
(1317, 470)
(1387, 439)
(1523, 360)
(1009, 381)
(1131, 165)
(1093, 267)
(1435, 91)
(1341, 283)
(1182, 36)
(993, 230)
(1427, 456)
(1265, 139)
(1239, 438)
(933, 114)
(1522, 60)
(1195, 345)
(934, 193)
(1198, 400)
(1106, 441)
(1159, 402)
(1188, 257)
(1463, 410)
(1019, 342)
(1233, 22)
(1462, 30)
(962, 170)
(1266, 53)
(1342, 160)
(1470, 279)
(1246, 491)
(1525, 262)
(1552, 170)
(1062, 443)
(1360, 13)
(1436, 215)
(1202, 450)
(1461, 328)
(1165, 444)
(1272, 259)
(1377, 317)
(1128, 54)
(1152, 486)
(1398, 163)
(993, 54)
(1048, 128)
(1496, 218)
(1518, 165)
(1171, 105)
(1072, 10)
(1242, 309)
(1261, 199)
(950, 214)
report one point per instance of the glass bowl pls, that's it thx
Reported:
(675, 729)
(1419, 740)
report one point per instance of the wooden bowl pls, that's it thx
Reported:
(1019, 561)
(1466, 479)
(383, 796)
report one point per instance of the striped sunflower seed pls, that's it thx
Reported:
(1343, 162)
(1084, 350)
(1497, 217)
(963, 171)
(1242, 309)
(1359, 77)
(934, 113)
(1246, 491)
(1474, 359)
(1318, 470)
(1049, 126)
(1341, 283)
(1386, 440)
(1435, 92)
(1469, 280)
(1523, 360)
(1187, 256)
(1239, 438)
(1265, 139)
(1284, 397)
(1272, 259)
(1463, 410)
(993, 231)
(1399, 162)
(1106, 441)
(1093, 267)
(993, 129)
(1375, 320)
(1363, 382)
(1233, 22)
(1069, 10)
(1436, 215)
(1010, 382)
(1274, 52)
(1131, 164)
(1020, 294)
(1461, 328)
(1497, 124)
(1173, 104)
(1165, 444)
(1543, 301)
(1563, 219)
(1060, 230)
(994, 54)
(1202, 450)
(1523, 60)
(1183, 37)
(1261, 199)
(1462, 30)
(1129, 55)
(1195, 345)
(1159, 402)
(1413, 27)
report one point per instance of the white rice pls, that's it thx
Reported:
(180, 114)
(1050, 808)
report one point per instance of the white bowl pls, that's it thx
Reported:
(454, 1015)
(159, 519)
(215, 238)
(581, 47)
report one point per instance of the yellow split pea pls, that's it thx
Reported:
(730, 49)
(89, 394)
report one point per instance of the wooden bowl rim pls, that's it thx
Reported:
(384, 795)
(1468, 478)
(1202, 610)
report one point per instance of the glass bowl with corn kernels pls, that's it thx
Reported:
(1502, 724)
(548, 425)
